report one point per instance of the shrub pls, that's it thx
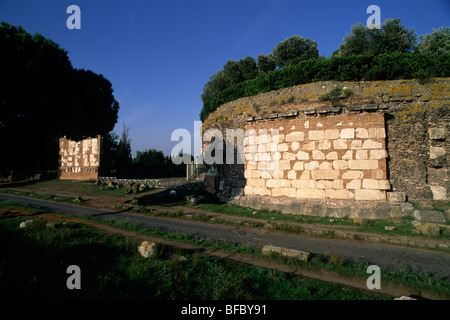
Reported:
(387, 66)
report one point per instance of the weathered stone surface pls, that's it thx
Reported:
(363, 194)
(325, 174)
(310, 193)
(148, 249)
(439, 192)
(348, 133)
(295, 136)
(26, 224)
(429, 216)
(370, 144)
(316, 135)
(297, 254)
(332, 134)
(340, 144)
(363, 164)
(396, 196)
(437, 152)
(430, 229)
(437, 133)
(352, 175)
(302, 155)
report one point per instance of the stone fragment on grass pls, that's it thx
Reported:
(26, 224)
(429, 216)
(148, 249)
(292, 253)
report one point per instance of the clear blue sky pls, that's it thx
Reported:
(158, 54)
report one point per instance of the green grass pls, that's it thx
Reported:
(34, 261)
(416, 279)
(80, 188)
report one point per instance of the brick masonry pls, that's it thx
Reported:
(333, 157)
(79, 160)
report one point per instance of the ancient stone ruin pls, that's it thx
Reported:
(79, 160)
(361, 155)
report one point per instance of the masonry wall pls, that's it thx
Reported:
(79, 160)
(334, 157)
(406, 126)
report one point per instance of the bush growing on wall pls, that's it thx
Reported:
(359, 67)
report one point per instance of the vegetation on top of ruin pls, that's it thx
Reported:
(386, 54)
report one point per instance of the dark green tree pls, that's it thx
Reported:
(123, 155)
(293, 50)
(391, 37)
(266, 63)
(436, 42)
(42, 98)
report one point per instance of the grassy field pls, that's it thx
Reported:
(34, 261)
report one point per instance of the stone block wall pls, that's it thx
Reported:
(394, 137)
(332, 157)
(79, 160)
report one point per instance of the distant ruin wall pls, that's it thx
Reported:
(79, 160)
(386, 142)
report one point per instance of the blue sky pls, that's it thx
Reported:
(158, 54)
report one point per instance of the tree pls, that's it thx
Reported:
(435, 43)
(266, 63)
(391, 37)
(123, 156)
(43, 98)
(293, 50)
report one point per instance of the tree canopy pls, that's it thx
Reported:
(391, 37)
(293, 50)
(42, 98)
(436, 42)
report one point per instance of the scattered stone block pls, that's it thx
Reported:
(396, 197)
(436, 152)
(429, 216)
(439, 193)
(437, 133)
(26, 224)
(291, 253)
(430, 229)
(148, 249)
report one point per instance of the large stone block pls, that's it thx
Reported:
(348, 133)
(439, 192)
(375, 195)
(362, 133)
(310, 193)
(339, 194)
(396, 197)
(370, 184)
(370, 144)
(291, 253)
(318, 155)
(429, 216)
(303, 184)
(325, 174)
(378, 154)
(340, 164)
(313, 165)
(436, 152)
(332, 134)
(363, 164)
(437, 133)
(340, 144)
(302, 155)
(295, 136)
(316, 135)
(354, 184)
